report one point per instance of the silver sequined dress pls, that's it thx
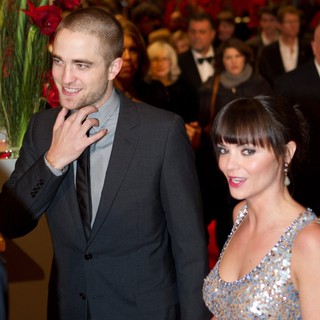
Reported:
(266, 292)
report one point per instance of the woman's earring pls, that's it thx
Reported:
(286, 178)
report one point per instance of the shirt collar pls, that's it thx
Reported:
(197, 55)
(317, 65)
(105, 112)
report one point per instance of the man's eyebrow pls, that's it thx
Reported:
(81, 61)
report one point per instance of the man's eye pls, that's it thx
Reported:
(82, 66)
(56, 61)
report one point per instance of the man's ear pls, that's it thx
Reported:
(115, 68)
(291, 149)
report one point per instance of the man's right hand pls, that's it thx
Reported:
(70, 138)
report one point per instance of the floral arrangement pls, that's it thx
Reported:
(26, 86)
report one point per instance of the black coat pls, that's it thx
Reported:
(302, 87)
(270, 61)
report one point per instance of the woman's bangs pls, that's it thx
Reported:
(241, 131)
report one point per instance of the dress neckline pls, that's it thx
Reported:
(241, 216)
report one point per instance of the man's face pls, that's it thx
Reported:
(79, 70)
(225, 30)
(268, 23)
(290, 26)
(201, 35)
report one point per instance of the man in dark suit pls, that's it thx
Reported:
(288, 51)
(135, 250)
(196, 64)
(197, 68)
(267, 34)
(301, 87)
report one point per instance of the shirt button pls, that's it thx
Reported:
(88, 256)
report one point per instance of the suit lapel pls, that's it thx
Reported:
(124, 145)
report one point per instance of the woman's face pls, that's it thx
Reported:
(130, 58)
(160, 66)
(251, 171)
(233, 61)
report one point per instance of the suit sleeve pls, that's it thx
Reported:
(31, 187)
(181, 200)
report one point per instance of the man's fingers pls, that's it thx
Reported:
(97, 136)
(61, 118)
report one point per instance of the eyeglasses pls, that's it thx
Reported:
(158, 59)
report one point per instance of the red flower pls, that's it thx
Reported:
(50, 92)
(68, 4)
(46, 18)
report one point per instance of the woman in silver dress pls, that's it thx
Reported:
(269, 266)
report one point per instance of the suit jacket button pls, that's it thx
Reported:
(82, 296)
(88, 256)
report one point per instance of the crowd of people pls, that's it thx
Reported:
(241, 103)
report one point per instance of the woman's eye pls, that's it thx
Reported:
(248, 152)
(222, 150)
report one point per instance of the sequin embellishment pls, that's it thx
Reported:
(267, 291)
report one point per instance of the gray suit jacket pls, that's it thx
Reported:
(146, 257)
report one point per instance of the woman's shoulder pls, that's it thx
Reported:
(308, 239)
(237, 209)
(306, 258)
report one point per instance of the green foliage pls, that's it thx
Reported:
(24, 62)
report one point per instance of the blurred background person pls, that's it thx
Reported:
(289, 51)
(131, 78)
(301, 87)
(180, 41)
(147, 17)
(268, 32)
(234, 68)
(196, 64)
(162, 34)
(182, 98)
(234, 78)
(226, 27)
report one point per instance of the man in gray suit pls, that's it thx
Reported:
(138, 250)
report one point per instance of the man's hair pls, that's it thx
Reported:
(201, 16)
(270, 10)
(99, 23)
(283, 10)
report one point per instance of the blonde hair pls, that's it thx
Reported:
(157, 47)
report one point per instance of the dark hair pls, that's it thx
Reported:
(226, 15)
(201, 16)
(270, 10)
(262, 121)
(237, 44)
(131, 30)
(100, 23)
(144, 9)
